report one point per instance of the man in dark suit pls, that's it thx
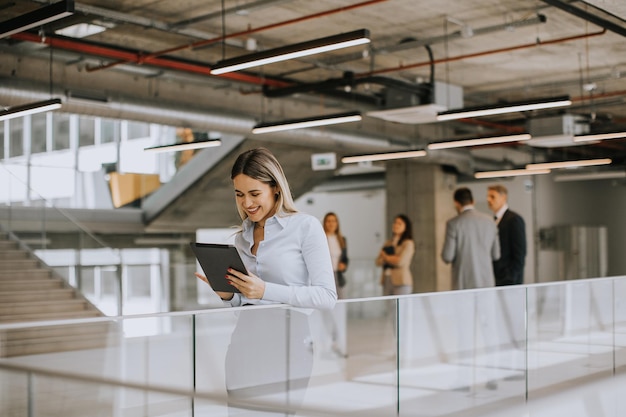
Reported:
(509, 269)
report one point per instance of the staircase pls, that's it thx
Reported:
(31, 291)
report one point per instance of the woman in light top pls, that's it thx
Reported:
(395, 257)
(338, 250)
(285, 251)
(270, 355)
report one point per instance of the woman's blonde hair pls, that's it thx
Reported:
(261, 165)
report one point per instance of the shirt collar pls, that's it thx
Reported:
(248, 225)
(500, 212)
(468, 207)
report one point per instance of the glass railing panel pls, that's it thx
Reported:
(14, 400)
(42, 394)
(151, 350)
(570, 336)
(461, 349)
(261, 358)
(316, 362)
(53, 343)
(619, 301)
(355, 359)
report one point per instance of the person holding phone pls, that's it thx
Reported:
(395, 257)
(270, 355)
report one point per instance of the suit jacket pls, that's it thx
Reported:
(400, 272)
(471, 245)
(509, 269)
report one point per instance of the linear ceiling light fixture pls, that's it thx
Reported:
(382, 156)
(538, 104)
(570, 164)
(479, 141)
(599, 136)
(32, 108)
(330, 119)
(185, 146)
(330, 43)
(37, 18)
(510, 173)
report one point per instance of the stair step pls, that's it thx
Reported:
(8, 244)
(29, 285)
(19, 264)
(37, 295)
(10, 254)
(60, 344)
(59, 330)
(47, 316)
(25, 273)
(17, 308)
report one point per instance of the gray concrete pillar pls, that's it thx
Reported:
(424, 193)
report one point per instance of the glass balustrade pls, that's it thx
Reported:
(490, 352)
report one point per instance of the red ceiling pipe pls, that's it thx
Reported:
(479, 54)
(600, 95)
(496, 126)
(113, 53)
(147, 58)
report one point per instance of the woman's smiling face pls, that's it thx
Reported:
(257, 199)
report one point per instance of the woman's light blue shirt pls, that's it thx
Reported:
(293, 260)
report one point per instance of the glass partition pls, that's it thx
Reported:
(490, 352)
(570, 333)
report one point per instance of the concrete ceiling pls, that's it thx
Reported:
(153, 60)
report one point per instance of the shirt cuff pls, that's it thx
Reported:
(277, 293)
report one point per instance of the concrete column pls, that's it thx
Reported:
(424, 193)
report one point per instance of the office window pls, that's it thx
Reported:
(138, 130)
(87, 283)
(86, 131)
(138, 284)
(16, 140)
(109, 130)
(60, 131)
(38, 133)
(2, 140)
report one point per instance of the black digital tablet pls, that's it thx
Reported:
(215, 259)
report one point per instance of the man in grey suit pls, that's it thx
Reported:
(471, 244)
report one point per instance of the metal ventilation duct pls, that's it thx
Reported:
(557, 131)
(228, 123)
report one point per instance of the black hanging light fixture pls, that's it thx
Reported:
(36, 18)
(330, 43)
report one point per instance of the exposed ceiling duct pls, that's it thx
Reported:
(557, 131)
(176, 115)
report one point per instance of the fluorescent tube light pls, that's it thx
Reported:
(308, 122)
(382, 156)
(185, 146)
(23, 110)
(510, 173)
(538, 104)
(600, 136)
(479, 141)
(330, 43)
(570, 164)
(37, 18)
